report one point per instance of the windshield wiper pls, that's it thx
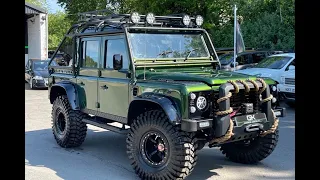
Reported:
(189, 52)
(164, 53)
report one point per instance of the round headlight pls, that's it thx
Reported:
(150, 18)
(193, 96)
(274, 88)
(199, 20)
(201, 102)
(192, 109)
(274, 100)
(186, 20)
(135, 17)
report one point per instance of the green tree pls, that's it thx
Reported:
(58, 25)
(274, 19)
(40, 3)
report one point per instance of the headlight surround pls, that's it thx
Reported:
(198, 102)
(38, 78)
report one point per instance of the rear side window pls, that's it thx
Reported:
(90, 54)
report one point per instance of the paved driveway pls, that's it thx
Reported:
(103, 156)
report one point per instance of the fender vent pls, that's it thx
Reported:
(135, 91)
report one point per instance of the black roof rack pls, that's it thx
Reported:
(106, 18)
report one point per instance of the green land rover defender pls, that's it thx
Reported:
(157, 77)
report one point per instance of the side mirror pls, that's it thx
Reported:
(291, 68)
(117, 61)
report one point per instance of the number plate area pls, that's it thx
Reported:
(250, 118)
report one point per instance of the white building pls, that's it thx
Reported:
(36, 32)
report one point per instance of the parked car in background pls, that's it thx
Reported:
(286, 86)
(222, 51)
(61, 58)
(36, 73)
(272, 66)
(244, 60)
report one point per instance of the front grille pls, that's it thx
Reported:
(290, 81)
(236, 100)
(289, 95)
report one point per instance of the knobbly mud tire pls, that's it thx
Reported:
(67, 126)
(179, 154)
(252, 153)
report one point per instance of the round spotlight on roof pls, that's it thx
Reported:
(135, 17)
(150, 18)
(199, 20)
(186, 20)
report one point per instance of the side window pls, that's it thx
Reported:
(291, 64)
(115, 46)
(65, 53)
(90, 54)
(241, 60)
(258, 57)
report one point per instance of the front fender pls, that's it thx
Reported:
(72, 91)
(166, 103)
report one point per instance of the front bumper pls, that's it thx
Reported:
(287, 92)
(221, 123)
(40, 83)
(191, 125)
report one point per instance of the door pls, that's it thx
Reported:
(89, 63)
(113, 84)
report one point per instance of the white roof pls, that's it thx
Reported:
(293, 55)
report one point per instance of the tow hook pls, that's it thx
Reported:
(254, 127)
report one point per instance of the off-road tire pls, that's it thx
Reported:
(75, 130)
(258, 150)
(182, 154)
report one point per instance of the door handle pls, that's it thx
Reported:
(104, 87)
(82, 84)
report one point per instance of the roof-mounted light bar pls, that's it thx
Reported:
(135, 17)
(150, 18)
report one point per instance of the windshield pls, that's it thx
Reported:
(40, 65)
(226, 59)
(274, 62)
(147, 45)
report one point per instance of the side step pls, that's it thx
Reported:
(106, 126)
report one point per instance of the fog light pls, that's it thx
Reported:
(192, 109)
(274, 100)
(193, 96)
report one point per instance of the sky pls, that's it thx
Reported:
(53, 6)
